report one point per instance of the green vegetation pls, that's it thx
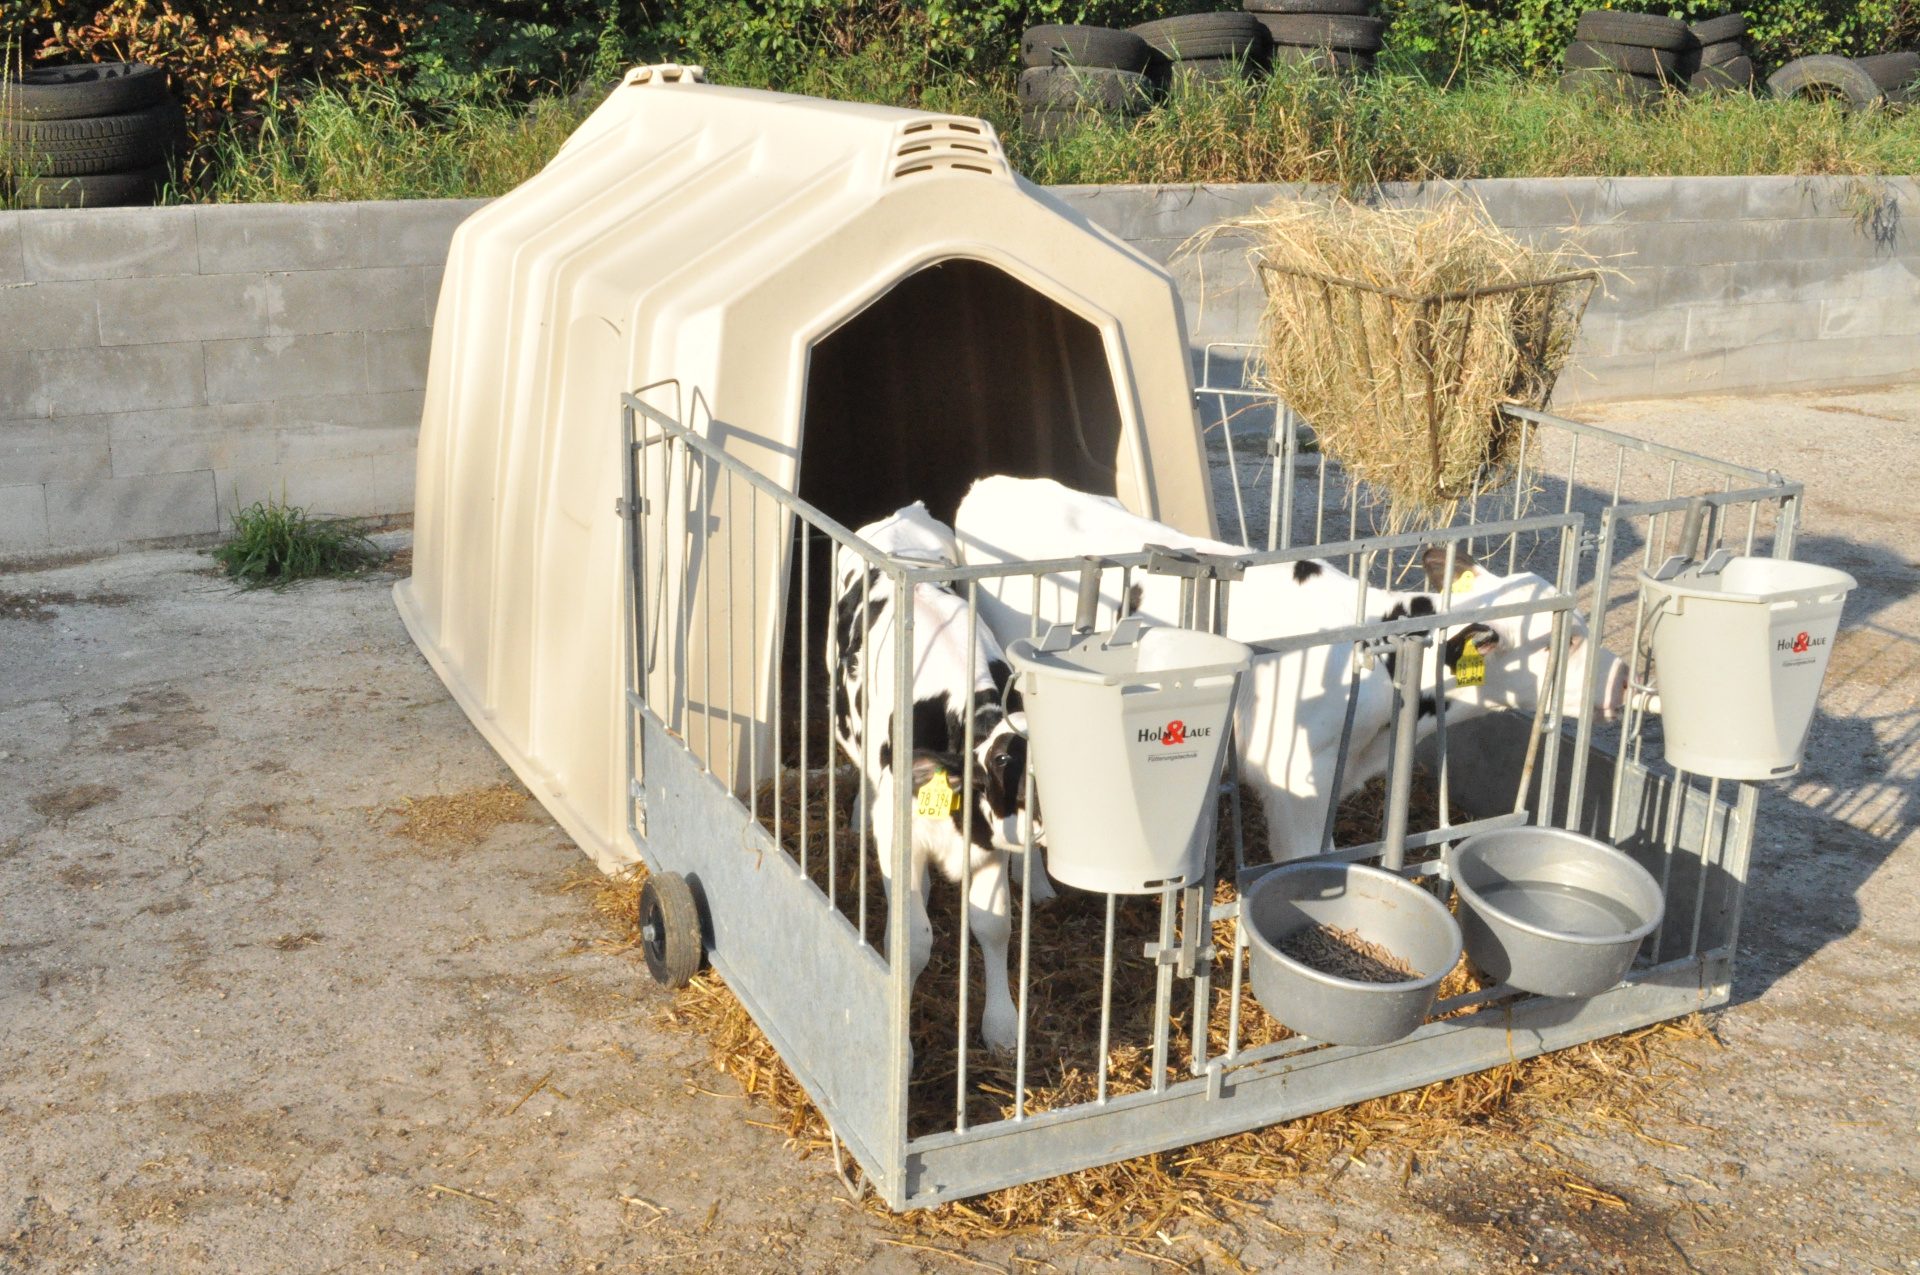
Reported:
(228, 57)
(371, 144)
(327, 99)
(275, 543)
(1402, 128)
(1290, 127)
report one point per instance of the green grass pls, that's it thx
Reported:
(275, 543)
(373, 144)
(1305, 127)
(1291, 127)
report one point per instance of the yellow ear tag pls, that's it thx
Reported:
(1471, 668)
(936, 798)
(1463, 583)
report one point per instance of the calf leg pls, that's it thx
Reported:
(988, 917)
(919, 927)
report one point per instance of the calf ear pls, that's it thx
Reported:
(1434, 560)
(1484, 640)
(925, 767)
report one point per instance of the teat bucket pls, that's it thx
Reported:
(1739, 655)
(1128, 731)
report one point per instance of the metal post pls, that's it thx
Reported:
(1596, 630)
(1163, 989)
(1409, 658)
(899, 913)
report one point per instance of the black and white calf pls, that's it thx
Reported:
(860, 664)
(1288, 720)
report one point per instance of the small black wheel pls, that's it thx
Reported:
(670, 929)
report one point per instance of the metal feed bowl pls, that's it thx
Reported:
(1382, 908)
(1551, 911)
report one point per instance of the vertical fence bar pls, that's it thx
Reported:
(1106, 1001)
(753, 657)
(1233, 1006)
(1556, 679)
(1440, 691)
(899, 941)
(966, 860)
(1676, 811)
(867, 663)
(1163, 990)
(706, 615)
(1519, 497)
(1583, 732)
(806, 707)
(1026, 938)
(1707, 855)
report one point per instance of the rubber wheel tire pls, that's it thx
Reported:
(1825, 73)
(1088, 87)
(1338, 61)
(1728, 26)
(106, 144)
(1352, 8)
(1084, 46)
(1614, 86)
(1587, 55)
(1205, 70)
(1722, 52)
(1196, 36)
(1729, 77)
(95, 190)
(670, 938)
(82, 92)
(1326, 31)
(1643, 30)
(1890, 70)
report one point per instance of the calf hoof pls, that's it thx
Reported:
(1001, 1031)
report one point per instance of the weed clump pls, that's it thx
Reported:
(275, 543)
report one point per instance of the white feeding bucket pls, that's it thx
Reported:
(1740, 654)
(1128, 731)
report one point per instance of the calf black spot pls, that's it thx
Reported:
(1305, 570)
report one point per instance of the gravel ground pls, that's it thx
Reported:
(248, 1024)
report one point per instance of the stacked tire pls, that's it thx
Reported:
(1340, 36)
(1204, 46)
(1860, 83)
(1721, 63)
(1070, 73)
(89, 136)
(1631, 57)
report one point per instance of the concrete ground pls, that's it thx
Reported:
(248, 1023)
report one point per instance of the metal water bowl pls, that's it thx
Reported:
(1382, 908)
(1551, 911)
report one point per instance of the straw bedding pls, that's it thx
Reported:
(1398, 384)
(1206, 1183)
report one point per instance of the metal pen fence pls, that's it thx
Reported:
(735, 781)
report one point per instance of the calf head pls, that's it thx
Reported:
(1484, 640)
(1514, 678)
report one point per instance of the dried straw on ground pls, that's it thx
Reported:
(1366, 335)
(1206, 1183)
(463, 818)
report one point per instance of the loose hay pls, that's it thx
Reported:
(464, 818)
(1380, 332)
(1599, 1082)
(1344, 954)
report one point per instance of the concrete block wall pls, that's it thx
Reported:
(1719, 284)
(158, 365)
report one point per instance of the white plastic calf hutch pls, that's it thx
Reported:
(722, 327)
